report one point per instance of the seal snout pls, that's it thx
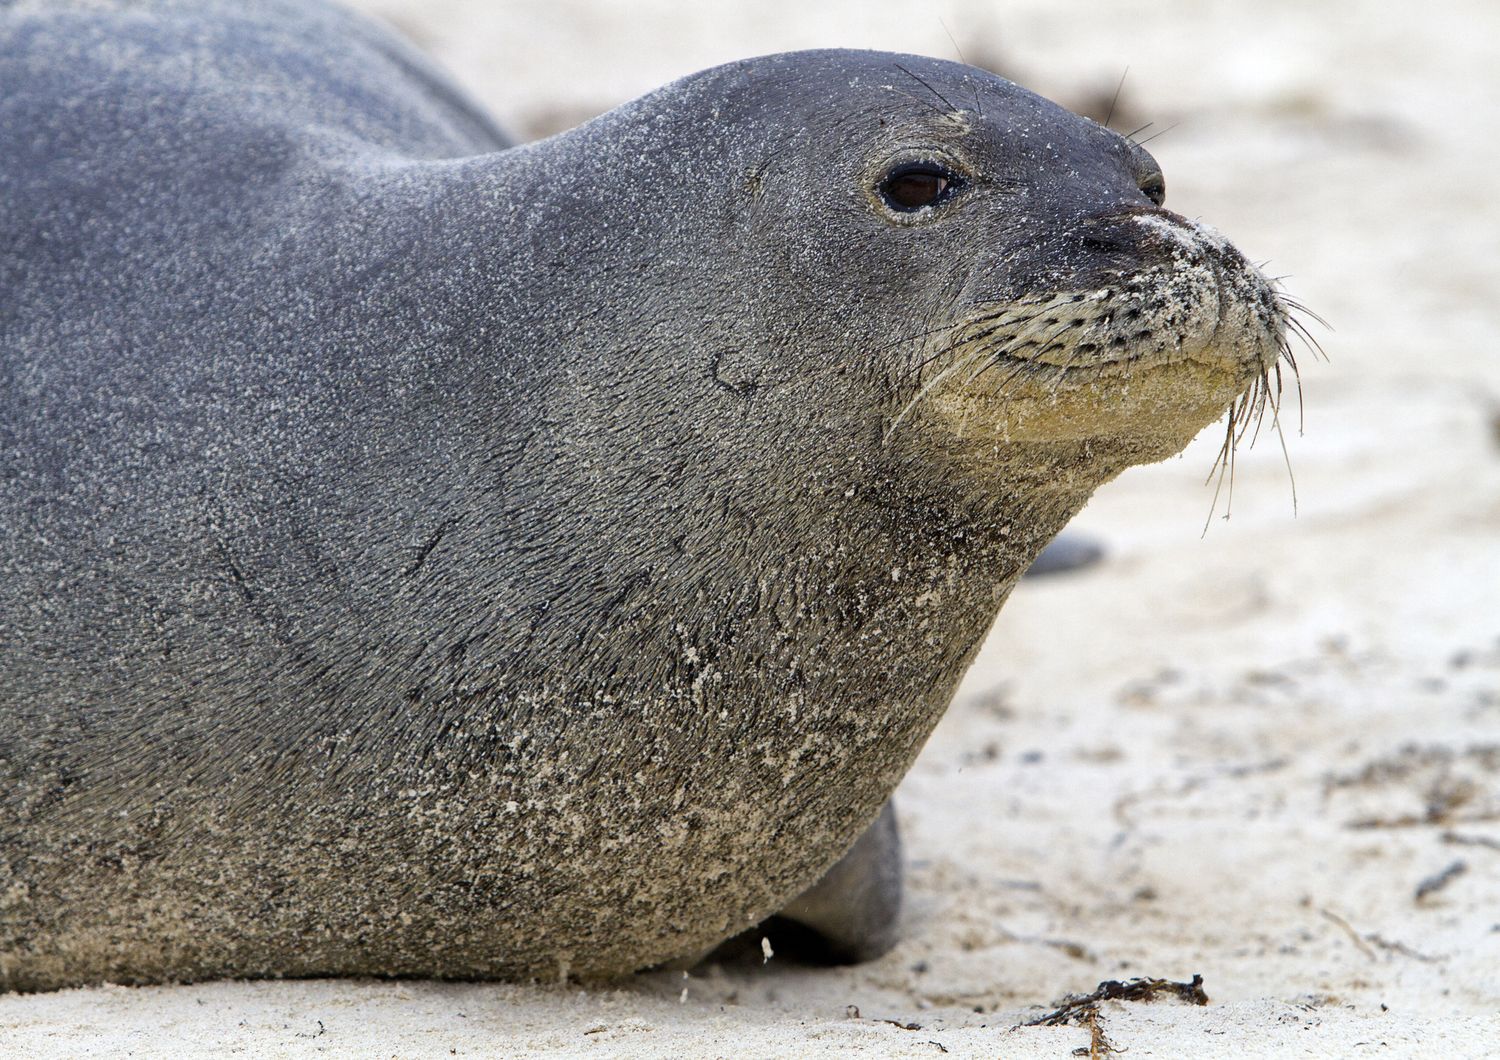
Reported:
(1161, 288)
(1134, 322)
(1249, 326)
(1128, 290)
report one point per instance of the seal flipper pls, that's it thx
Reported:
(852, 914)
(1067, 552)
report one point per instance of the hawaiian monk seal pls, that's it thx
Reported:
(427, 557)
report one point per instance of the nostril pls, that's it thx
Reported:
(1102, 244)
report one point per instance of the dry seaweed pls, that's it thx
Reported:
(1083, 1009)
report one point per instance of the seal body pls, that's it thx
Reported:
(424, 556)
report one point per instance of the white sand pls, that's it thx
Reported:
(1156, 768)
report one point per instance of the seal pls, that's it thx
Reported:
(421, 556)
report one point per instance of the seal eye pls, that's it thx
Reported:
(1154, 188)
(913, 187)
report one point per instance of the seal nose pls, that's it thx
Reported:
(1107, 242)
(1249, 324)
(1102, 244)
(1143, 234)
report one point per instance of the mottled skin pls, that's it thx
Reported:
(422, 557)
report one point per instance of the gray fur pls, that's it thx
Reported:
(420, 557)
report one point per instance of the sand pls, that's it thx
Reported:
(1269, 754)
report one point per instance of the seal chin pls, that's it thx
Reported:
(1167, 328)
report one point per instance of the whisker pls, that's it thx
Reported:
(1300, 330)
(911, 338)
(1021, 369)
(1261, 397)
(924, 102)
(926, 389)
(1286, 352)
(1068, 363)
(973, 87)
(1115, 98)
(1222, 463)
(1246, 415)
(1293, 310)
(924, 84)
(1286, 458)
(1301, 307)
(1015, 368)
(963, 340)
(1162, 132)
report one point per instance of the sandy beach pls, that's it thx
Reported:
(1265, 752)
